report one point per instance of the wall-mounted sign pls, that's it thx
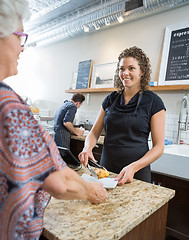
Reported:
(84, 74)
(175, 58)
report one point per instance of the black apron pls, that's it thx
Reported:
(124, 143)
(62, 138)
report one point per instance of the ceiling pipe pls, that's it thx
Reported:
(68, 27)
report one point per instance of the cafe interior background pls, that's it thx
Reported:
(64, 33)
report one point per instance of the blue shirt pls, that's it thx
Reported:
(65, 113)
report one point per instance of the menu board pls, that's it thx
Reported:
(84, 74)
(178, 58)
(174, 69)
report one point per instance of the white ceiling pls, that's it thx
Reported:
(55, 20)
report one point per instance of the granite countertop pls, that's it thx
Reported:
(126, 207)
(82, 138)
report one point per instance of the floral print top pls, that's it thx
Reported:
(28, 155)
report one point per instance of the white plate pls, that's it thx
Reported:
(107, 182)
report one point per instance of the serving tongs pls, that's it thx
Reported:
(94, 164)
(92, 171)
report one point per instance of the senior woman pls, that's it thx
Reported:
(31, 169)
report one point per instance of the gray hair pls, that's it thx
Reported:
(12, 12)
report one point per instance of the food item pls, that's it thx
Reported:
(34, 109)
(101, 173)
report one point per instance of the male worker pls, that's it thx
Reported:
(63, 120)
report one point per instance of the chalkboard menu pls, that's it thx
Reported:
(84, 74)
(178, 59)
(174, 68)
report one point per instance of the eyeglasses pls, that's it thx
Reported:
(23, 37)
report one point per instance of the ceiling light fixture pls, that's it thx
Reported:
(96, 26)
(107, 21)
(86, 28)
(120, 19)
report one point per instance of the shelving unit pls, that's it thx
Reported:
(90, 90)
(154, 88)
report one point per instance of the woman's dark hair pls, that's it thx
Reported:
(143, 62)
(78, 97)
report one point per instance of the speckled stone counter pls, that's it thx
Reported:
(82, 138)
(126, 207)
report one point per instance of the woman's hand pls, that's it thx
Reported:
(126, 175)
(97, 193)
(85, 155)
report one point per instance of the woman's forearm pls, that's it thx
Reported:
(152, 155)
(90, 141)
(128, 172)
(67, 184)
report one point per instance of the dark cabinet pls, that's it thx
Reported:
(178, 210)
(76, 146)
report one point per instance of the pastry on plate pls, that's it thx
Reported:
(101, 173)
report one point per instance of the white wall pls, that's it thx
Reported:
(45, 73)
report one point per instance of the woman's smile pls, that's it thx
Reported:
(129, 72)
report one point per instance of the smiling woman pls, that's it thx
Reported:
(128, 115)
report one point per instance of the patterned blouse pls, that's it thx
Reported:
(27, 156)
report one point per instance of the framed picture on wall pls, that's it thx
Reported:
(174, 68)
(103, 75)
